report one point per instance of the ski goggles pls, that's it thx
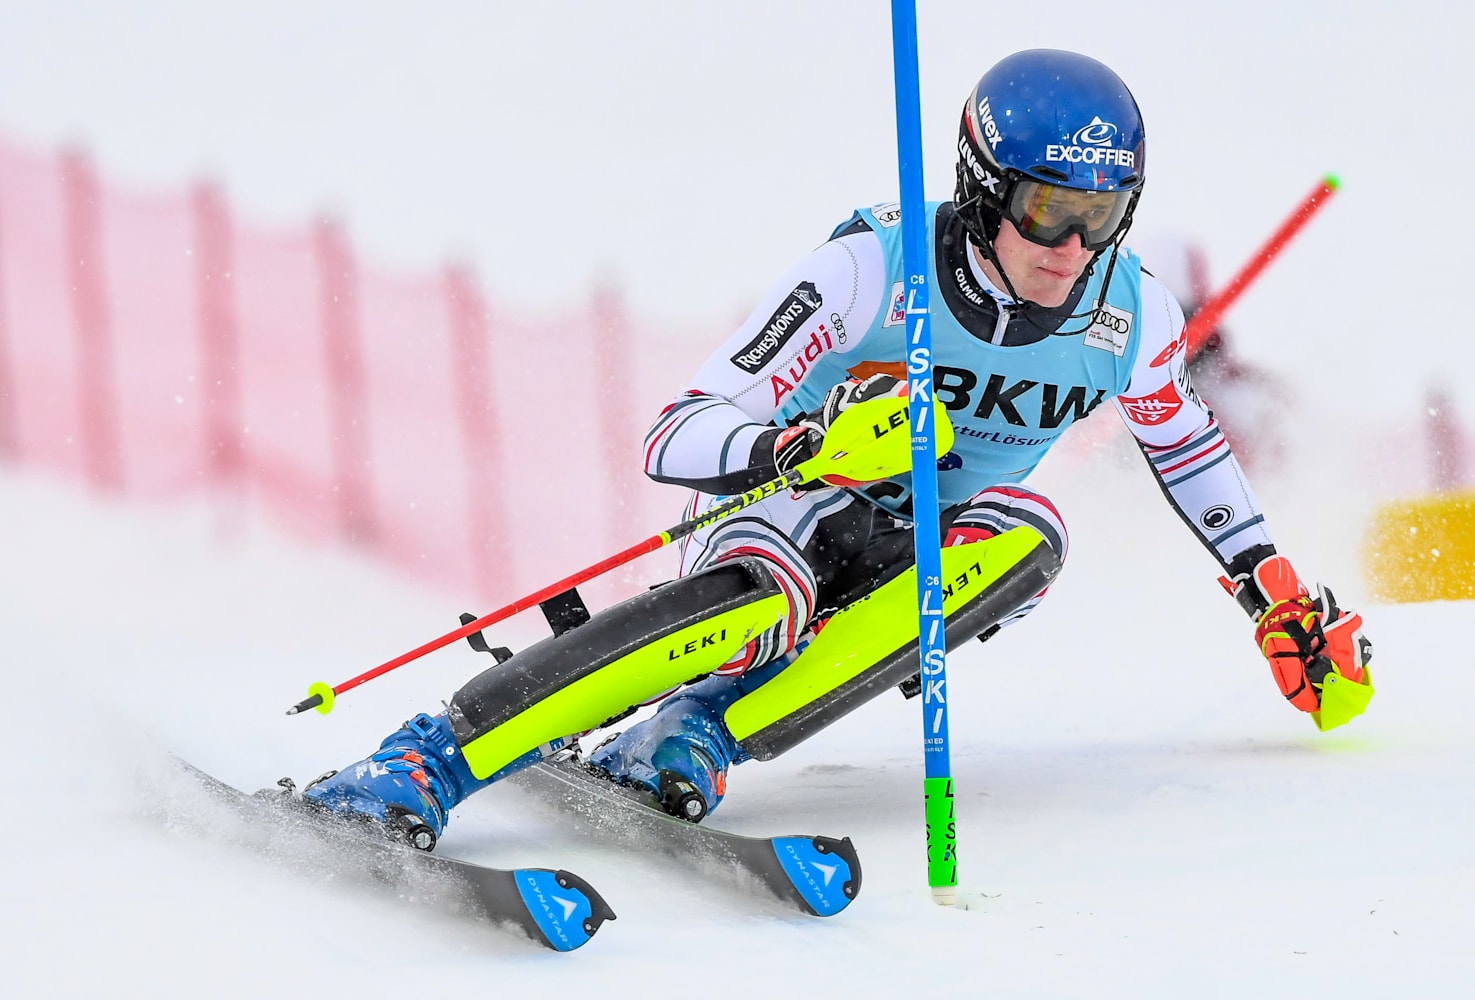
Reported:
(1047, 213)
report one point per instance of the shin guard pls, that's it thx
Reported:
(634, 651)
(872, 645)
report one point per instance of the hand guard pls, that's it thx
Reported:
(803, 440)
(1316, 650)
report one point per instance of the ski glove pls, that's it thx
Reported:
(1316, 650)
(802, 441)
(842, 396)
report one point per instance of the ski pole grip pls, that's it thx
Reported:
(319, 696)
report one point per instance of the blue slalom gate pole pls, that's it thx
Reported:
(942, 838)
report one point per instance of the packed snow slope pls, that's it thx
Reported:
(1140, 813)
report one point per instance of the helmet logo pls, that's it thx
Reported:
(978, 170)
(1109, 156)
(991, 129)
(1098, 133)
(1090, 146)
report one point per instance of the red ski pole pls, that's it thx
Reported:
(321, 695)
(1207, 318)
(865, 443)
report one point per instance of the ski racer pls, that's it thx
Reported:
(1040, 315)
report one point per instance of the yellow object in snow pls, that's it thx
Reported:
(1422, 549)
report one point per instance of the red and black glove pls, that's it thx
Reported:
(1309, 642)
(803, 440)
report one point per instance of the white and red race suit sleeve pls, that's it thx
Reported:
(717, 435)
(1180, 438)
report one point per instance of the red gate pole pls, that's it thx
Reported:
(488, 528)
(347, 389)
(9, 411)
(220, 354)
(1446, 441)
(619, 442)
(96, 371)
(1207, 318)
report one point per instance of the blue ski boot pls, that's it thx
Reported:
(408, 787)
(680, 755)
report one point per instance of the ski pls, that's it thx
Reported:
(818, 875)
(554, 908)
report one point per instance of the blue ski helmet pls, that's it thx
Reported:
(1041, 121)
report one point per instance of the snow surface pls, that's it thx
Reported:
(1139, 812)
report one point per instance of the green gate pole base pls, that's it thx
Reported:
(942, 841)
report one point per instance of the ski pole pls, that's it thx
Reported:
(1203, 322)
(861, 446)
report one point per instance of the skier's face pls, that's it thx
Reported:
(1040, 274)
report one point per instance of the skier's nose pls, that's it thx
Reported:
(1071, 248)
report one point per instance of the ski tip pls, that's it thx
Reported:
(565, 909)
(599, 910)
(825, 872)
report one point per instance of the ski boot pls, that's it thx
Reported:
(408, 787)
(680, 755)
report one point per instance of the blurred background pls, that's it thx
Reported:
(419, 279)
